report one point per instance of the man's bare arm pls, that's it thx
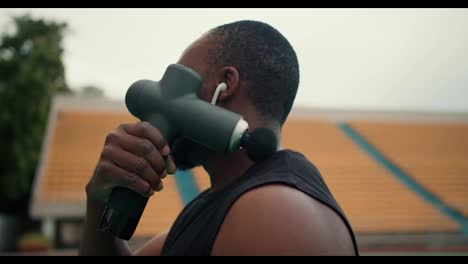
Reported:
(279, 220)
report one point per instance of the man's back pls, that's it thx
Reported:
(278, 207)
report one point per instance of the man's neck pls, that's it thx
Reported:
(226, 169)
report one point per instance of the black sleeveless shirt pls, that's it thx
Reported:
(196, 228)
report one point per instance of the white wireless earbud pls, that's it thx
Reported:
(220, 88)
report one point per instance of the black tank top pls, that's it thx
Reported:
(196, 228)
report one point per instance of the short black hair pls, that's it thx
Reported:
(265, 59)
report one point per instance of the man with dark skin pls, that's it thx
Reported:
(271, 219)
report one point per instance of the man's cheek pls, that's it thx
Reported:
(181, 150)
(188, 154)
(203, 93)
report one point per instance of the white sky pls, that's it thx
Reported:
(394, 59)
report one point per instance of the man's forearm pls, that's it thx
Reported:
(95, 242)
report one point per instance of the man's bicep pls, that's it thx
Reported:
(280, 220)
(153, 247)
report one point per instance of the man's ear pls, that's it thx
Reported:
(230, 76)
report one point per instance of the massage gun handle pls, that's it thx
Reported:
(124, 207)
(122, 212)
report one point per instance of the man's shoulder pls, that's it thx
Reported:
(295, 161)
(277, 219)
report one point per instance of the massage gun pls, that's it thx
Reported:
(172, 105)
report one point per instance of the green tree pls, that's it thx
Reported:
(31, 72)
(91, 91)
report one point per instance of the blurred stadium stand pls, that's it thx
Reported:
(401, 178)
